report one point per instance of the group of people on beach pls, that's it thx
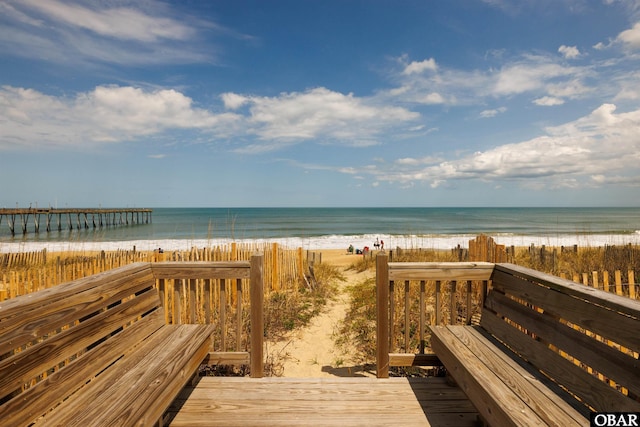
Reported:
(378, 244)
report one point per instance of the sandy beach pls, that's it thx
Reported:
(311, 351)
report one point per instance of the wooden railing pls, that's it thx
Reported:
(408, 293)
(218, 293)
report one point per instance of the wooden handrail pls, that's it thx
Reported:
(193, 292)
(439, 278)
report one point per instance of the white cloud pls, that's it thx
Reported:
(631, 37)
(233, 101)
(431, 98)
(320, 114)
(569, 52)
(29, 118)
(600, 46)
(121, 22)
(418, 161)
(537, 75)
(602, 147)
(492, 113)
(548, 101)
(72, 33)
(631, 181)
(106, 114)
(629, 87)
(531, 74)
(419, 67)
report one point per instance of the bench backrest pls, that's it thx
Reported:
(54, 341)
(583, 339)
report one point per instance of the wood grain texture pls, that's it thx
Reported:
(217, 401)
(495, 401)
(409, 359)
(551, 323)
(605, 359)
(71, 378)
(440, 270)
(96, 351)
(589, 388)
(140, 386)
(593, 313)
(618, 303)
(202, 270)
(25, 365)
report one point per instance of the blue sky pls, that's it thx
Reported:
(319, 103)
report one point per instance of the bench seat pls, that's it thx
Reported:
(499, 387)
(547, 351)
(141, 385)
(95, 352)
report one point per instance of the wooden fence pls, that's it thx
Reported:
(557, 261)
(22, 273)
(602, 280)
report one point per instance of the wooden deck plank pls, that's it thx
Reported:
(220, 401)
(150, 377)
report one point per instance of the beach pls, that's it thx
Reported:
(337, 228)
(311, 351)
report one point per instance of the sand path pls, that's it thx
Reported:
(311, 352)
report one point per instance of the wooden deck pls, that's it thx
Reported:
(225, 401)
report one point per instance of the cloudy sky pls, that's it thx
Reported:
(319, 103)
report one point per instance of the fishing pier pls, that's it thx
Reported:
(18, 219)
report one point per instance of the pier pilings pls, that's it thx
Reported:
(18, 219)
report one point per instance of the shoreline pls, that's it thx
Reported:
(333, 242)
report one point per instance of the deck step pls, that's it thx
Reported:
(228, 401)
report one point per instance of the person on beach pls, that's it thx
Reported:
(376, 244)
(382, 245)
(350, 249)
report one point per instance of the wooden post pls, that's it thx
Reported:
(238, 314)
(438, 302)
(469, 289)
(407, 304)
(382, 316)
(256, 286)
(422, 315)
(192, 301)
(301, 271)
(632, 284)
(207, 301)
(275, 283)
(177, 301)
(452, 302)
(223, 315)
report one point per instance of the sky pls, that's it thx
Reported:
(364, 103)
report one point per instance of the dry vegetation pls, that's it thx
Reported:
(358, 329)
(296, 301)
(290, 309)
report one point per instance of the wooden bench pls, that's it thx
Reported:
(95, 351)
(547, 351)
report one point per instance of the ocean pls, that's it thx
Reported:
(335, 228)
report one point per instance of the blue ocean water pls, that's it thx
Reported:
(338, 227)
